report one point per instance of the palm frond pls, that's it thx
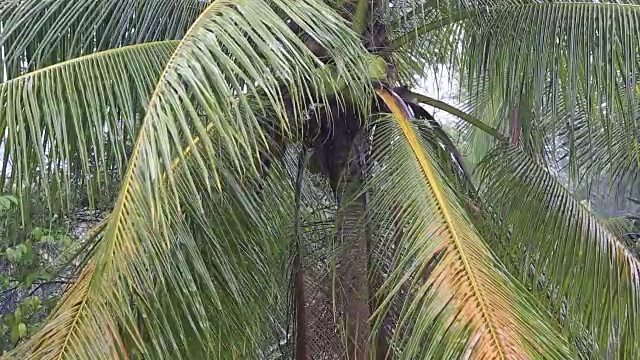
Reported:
(581, 149)
(587, 49)
(35, 33)
(460, 302)
(77, 117)
(427, 34)
(619, 226)
(591, 150)
(190, 264)
(566, 255)
(584, 53)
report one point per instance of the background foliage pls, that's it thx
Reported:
(261, 177)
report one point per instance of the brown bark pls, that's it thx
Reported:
(516, 126)
(301, 320)
(300, 305)
(355, 259)
(353, 272)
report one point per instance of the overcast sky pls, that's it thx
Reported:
(440, 86)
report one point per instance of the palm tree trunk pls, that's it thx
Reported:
(375, 279)
(299, 288)
(375, 282)
(353, 270)
(350, 282)
(356, 262)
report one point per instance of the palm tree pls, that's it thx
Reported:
(283, 190)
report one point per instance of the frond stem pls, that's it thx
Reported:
(88, 273)
(458, 113)
(409, 36)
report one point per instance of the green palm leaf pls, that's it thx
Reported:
(40, 33)
(592, 150)
(564, 253)
(186, 264)
(567, 139)
(460, 303)
(586, 48)
(77, 117)
(584, 53)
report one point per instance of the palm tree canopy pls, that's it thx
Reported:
(276, 174)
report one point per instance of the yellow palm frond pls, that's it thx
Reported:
(458, 300)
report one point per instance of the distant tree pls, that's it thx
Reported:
(38, 260)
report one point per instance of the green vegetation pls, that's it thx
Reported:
(38, 260)
(238, 179)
